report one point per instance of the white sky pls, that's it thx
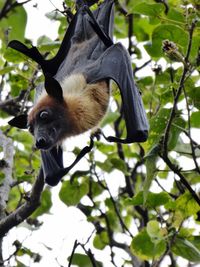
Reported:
(38, 24)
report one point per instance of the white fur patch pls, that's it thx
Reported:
(73, 84)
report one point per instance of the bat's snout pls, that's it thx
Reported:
(42, 143)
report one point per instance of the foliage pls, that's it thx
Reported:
(159, 192)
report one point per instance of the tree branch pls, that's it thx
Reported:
(24, 211)
(8, 150)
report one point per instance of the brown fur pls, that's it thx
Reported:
(84, 104)
(88, 109)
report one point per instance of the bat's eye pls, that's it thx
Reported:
(44, 114)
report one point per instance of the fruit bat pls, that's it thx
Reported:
(75, 94)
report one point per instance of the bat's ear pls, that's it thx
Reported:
(19, 47)
(53, 88)
(19, 121)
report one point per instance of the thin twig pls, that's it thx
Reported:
(76, 244)
(124, 227)
(142, 66)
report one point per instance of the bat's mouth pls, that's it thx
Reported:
(43, 143)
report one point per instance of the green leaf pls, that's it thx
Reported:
(157, 128)
(105, 166)
(2, 176)
(96, 189)
(45, 205)
(142, 28)
(119, 164)
(194, 94)
(15, 24)
(157, 125)
(13, 201)
(104, 148)
(54, 15)
(23, 137)
(185, 149)
(45, 44)
(157, 199)
(195, 46)
(148, 80)
(6, 70)
(14, 56)
(186, 232)
(186, 249)
(153, 10)
(177, 126)
(121, 30)
(195, 122)
(176, 15)
(153, 199)
(132, 4)
(71, 193)
(78, 174)
(154, 231)
(101, 240)
(110, 118)
(187, 205)
(20, 264)
(167, 32)
(195, 240)
(144, 248)
(84, 261)
(150, 162)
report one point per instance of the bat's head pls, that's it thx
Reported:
(48, 120)
(48, 123)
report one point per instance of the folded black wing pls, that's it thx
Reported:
(79, 31)
(115, 64)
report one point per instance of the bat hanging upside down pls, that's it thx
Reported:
(77, 107)
(75, 94)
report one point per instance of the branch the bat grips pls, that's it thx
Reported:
(75, 95)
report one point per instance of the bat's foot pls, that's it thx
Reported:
(96, 133)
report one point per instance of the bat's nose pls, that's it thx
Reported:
(41, 143)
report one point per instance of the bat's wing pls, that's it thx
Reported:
(115, 64)
(79, 31)
(85, 45)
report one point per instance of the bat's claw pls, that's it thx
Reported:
(96, 134)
